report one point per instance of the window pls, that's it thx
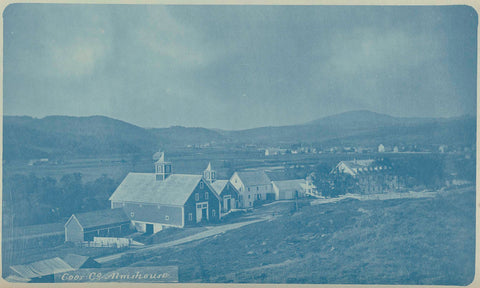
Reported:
(248, 196)
(132, 214)
(213, 175)
(257, 188)
(167, 218)
(250, 203)
(206, 195)
(201, 185)
(248, 189)
(190, 217)
(197, 197)
(213, 212)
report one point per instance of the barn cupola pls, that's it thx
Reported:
(209, 173)
(163, 169)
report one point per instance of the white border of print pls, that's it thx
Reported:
(472, 3)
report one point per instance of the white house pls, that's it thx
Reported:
(252, 185)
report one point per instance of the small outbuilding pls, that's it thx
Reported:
(44, 270)
(101, 223)
(289, 189)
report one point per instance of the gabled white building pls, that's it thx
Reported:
(252, 185)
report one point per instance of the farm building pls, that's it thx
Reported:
(252, 186)
(163, 199)
(371, 176)
(289, 189)
(44, 270)
(84, 226)
(226, 191)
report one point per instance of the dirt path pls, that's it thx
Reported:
(211, 231)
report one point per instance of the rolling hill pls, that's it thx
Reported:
(26, 137)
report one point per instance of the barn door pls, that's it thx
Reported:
(202, 211)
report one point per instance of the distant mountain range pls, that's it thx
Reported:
(27, 138)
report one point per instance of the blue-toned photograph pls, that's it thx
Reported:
(239, 144)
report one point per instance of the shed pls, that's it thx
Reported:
(106, 223)
(42, 271)
(289, 189)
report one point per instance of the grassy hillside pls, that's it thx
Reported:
(27, 138)
(402, 241)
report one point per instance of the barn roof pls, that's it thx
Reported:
(253, 178)
(289, 185)
(219, 185)
(76, 261)
(42, 268)
(356, 167)
(101, 218)
(144, 188)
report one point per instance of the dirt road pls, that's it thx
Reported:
(211, 231)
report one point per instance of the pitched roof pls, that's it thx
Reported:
(144, 188)
(101, 217)
(42, 268)
(254, 178)
(356, 167)
(209, 167)
(75, 261)
(289, 185)
(161, 158)
(219, 185)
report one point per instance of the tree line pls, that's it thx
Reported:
(29, 200)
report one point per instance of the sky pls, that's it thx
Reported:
(238, 67)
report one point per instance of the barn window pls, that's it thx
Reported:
(213, 212)
(197, 197)
(167, 218)
(206, 195)
(248, 189)
(248, 196)
(257, 188)
(132, 214)
(190, 217)
(201, 185)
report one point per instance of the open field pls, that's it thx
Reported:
(397, 241)
(192, 161)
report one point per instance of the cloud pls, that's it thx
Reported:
(369, 50)
(170, 41)
(77, 58)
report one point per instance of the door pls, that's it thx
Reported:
(149, 229)
(226, 203)
(202, 211)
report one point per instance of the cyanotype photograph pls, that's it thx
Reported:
(281, 144)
